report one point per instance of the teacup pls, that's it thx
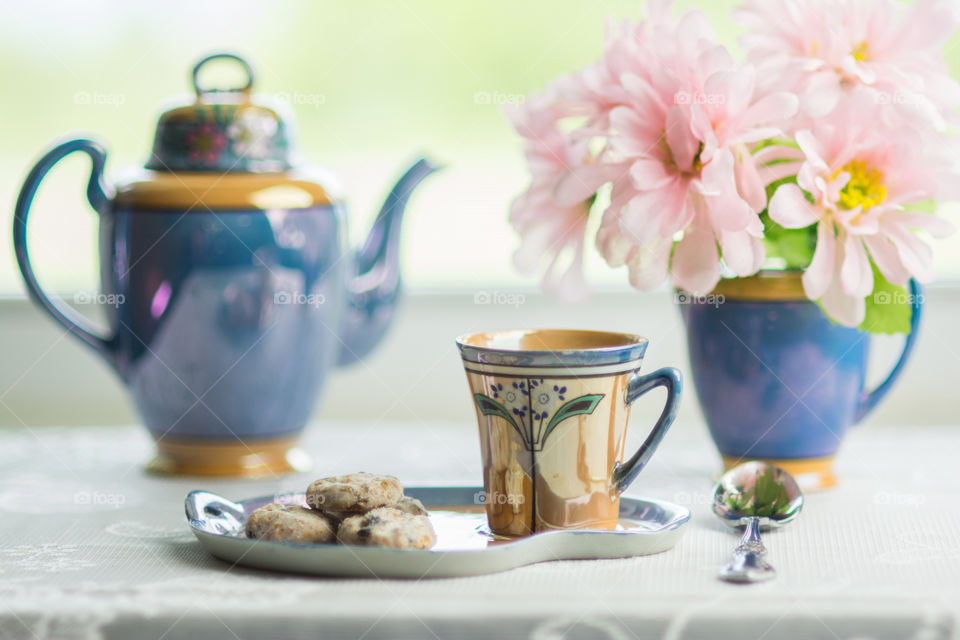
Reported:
(552, 406)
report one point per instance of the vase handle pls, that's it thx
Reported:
(870, 399)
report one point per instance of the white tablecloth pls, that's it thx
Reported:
(92, 547)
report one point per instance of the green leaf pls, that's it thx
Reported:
(575, 407)
(888, 307)
(794, 246)
(490, 407)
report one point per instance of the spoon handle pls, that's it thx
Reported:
(749, 562)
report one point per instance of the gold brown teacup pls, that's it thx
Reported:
(552, 407)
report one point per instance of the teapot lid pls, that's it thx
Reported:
(222, 130)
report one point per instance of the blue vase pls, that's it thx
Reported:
(776, 379)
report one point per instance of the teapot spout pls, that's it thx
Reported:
(374, 288)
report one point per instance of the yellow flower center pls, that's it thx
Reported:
(865, 187)
(860, 52)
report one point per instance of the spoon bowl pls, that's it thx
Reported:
(757, 496)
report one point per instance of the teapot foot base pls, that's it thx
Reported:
(811, 474)
(247, 459)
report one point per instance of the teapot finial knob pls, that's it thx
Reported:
(223, 129)
(223, 56)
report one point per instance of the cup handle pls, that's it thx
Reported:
(869, 399)
(97, 195)
(624, 474)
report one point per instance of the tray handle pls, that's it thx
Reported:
(213, 514)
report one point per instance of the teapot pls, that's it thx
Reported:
(232, 291)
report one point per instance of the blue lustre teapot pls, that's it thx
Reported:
(232, 292)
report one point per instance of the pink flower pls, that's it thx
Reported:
(825, 49)
(682, 136)
(859, 177)
(595, 90)
(551, 215)
(671, 124)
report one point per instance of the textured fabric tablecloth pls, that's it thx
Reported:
(93, 547)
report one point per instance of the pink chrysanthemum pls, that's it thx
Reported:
(826, 49)
(859, 177)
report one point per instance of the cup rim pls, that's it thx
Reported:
(631, 348)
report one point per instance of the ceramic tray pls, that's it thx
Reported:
(464, 544)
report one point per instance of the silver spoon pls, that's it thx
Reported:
(755, 495)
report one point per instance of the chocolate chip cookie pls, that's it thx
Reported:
(387, 527)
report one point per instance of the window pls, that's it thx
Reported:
(372, 83)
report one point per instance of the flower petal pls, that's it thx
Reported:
(770, 109)
(934, 225)
(714, 59)
(790, 209)
(742, 252)
(642, 93)
(718, 174)
(915, 254)
(927, 24)
(856, 276)
(647, 174)
(615, 248)
(846, 309)
(885, 256)
(812, 149)
(534, 243)
(683, 145)
(580, 183)
(681, 212)
(749, 185)
(729, 89)
(821, 94)
(777, 152)
(727, 210)
(773, 172)
(635, 136)
(703, 131)
(820, 273)
(649, 211)
(649, 264)
(696, 264)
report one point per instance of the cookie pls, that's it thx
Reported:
(387, 527)
(289, 523)
(406, 504)
(354, 493)
(412, 506)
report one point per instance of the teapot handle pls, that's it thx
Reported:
(97, 195)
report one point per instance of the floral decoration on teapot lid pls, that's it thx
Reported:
(223, 130)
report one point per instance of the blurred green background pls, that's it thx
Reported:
(372, 83)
